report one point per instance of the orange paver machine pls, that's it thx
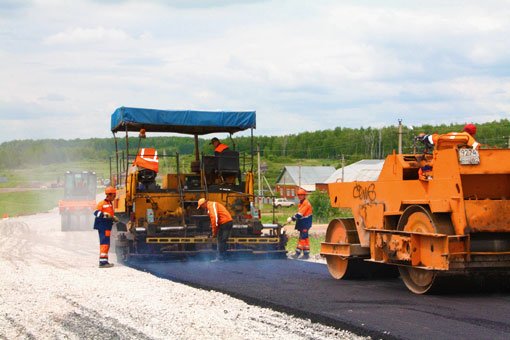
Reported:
(158, 202)
(439, 217)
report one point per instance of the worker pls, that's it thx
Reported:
(103, 223)
(303, 220)
(221, 224)
(431, 140)
(425, 169)
(470, 128)
(219, 147)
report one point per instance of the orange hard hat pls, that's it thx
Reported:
(110, 190)
(301, 191)
(470, 128)
(200, 202)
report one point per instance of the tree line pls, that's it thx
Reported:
(351, 143)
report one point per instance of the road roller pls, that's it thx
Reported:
(441, 217)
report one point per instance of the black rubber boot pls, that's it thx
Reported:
(106, 265)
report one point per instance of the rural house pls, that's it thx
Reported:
(364, 170)
(293, 177)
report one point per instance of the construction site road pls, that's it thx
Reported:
(51, 288)
(378, 308)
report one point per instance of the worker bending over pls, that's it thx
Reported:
(221, 224)
(303, 220)
(103, 224)
(468, 131)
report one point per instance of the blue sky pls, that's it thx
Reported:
(302, 65)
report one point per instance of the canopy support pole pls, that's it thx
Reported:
(127, 157)
(197, 155)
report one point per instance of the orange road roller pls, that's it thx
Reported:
(440, 218)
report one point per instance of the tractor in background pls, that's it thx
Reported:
(79, 202)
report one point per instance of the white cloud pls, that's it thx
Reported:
(81, 35)
(302, 65)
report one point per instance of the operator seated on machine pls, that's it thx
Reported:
(147, 162)
(219, 147)
(425, 170)
(227, 160)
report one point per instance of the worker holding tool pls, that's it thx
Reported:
(303, 220)
(103, 223)
(219, 147)
(221, 224)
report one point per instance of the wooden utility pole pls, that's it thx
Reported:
(300, 175)
(400, 136)
(343, 166)
(380, 144)
(268, 186)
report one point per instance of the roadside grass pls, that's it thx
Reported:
(29, 202)
(280, 214)
(315, 244)
(38, 176)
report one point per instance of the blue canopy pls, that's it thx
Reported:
(181, 121)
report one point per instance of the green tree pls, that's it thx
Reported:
(323, 212)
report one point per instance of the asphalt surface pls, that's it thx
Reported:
(381, 308)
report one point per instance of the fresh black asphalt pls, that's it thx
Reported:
(381, 308)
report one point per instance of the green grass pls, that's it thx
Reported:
(280, 214)
(47, 175)
(315, 244)
(29, 202)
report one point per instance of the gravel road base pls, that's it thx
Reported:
(51, 288)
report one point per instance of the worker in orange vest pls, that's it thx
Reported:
(219, 147)
(470, 128)
(469, 131)
(303, 220)
(103, 223)
(221, 224)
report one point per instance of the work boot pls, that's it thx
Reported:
(105, 265)
(306, 256)
(295, 255)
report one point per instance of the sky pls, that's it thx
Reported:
(302, 65)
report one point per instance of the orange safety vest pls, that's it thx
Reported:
(100, 222)
(304, 209)
(147, 158)
(218, 215)
(105, 206)
(220, 148)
